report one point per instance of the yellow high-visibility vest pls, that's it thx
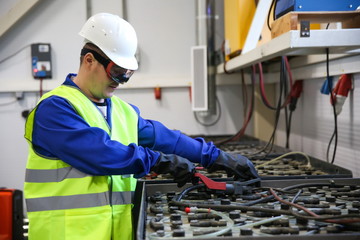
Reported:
(64, 203)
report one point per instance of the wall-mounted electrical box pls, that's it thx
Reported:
(41, 60)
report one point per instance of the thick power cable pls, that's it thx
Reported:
(269, 146)
(287, 69)
(332, 98)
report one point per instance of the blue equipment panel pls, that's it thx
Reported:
(284, 6)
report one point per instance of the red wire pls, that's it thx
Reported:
(246, 119)
(339, 221)
(241, 132)
(41, 87)
(262, 85)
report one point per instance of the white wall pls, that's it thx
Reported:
(56, 22)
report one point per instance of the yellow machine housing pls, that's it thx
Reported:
(238, 15)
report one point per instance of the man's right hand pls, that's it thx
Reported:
(235, 165)
(180, 168)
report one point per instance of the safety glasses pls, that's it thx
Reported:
(115, 72)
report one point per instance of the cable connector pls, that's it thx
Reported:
(341, 91)
(327, 86)
(296, 90)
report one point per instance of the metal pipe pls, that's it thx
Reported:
(210, 36)
(88, 9)
(205, 29)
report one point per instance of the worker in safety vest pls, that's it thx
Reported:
(88, 147)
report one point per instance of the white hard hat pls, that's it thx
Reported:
(114, 36)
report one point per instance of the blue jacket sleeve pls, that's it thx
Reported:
(59, 132)
(156, 136)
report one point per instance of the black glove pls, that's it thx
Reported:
(237, 165)
(180, 168)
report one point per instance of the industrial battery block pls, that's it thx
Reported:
(325, 209)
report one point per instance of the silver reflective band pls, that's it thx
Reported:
(77, 201)
(52, 175)
(67, 202)
(119, 198)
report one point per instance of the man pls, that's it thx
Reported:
(87, 146)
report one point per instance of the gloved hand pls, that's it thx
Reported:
(180, 168)
(236, 165)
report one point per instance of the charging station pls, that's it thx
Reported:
(41, 60)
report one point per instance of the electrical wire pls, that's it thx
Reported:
(217, 231)
(269, 146)
(292, 204)
(287, 123)
(41, 87)
(187, 190)
(332, 98)
(285, 155)
(14, 54)
(215, 121)
(329, 145)
(8, 103)
(340, 219)
(248, 115)
(283, 73)
(268, 16)
(316, 217)
(296, 196)
(285, 76)
(288, 120)
(356, 217)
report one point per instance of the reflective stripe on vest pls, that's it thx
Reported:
(78, 201)
(52, 175)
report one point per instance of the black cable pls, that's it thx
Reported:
(8, 103)
(332, 97)
(215, 121)
(12, 55)
(296, 196)
(289, 188)
(268, 16)
(288, 130)
(187, 190)
(277, 212)
(278, 110)
(287, 122)
(248, 207)
(329, 145)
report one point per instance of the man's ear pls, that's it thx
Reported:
(89, 58)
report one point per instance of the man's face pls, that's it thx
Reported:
(100, 85)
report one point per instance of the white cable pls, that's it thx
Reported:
(285, 155)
